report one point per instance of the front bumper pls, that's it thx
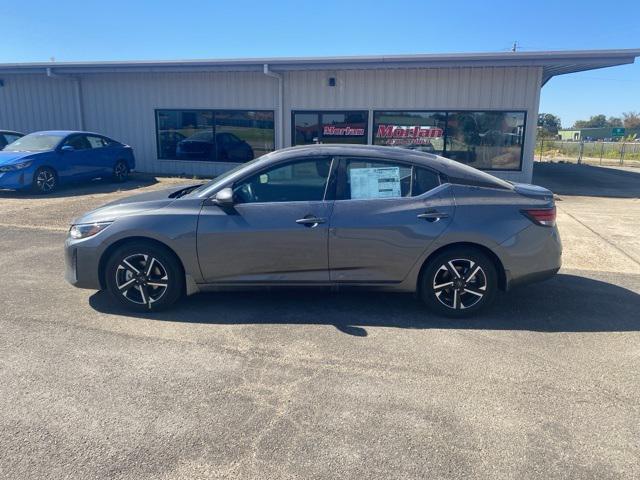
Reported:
(82, 264)
(16, 180)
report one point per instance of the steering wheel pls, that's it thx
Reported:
(246, 193)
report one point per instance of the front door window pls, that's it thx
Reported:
(293, 182)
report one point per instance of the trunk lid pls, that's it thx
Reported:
(535, 192)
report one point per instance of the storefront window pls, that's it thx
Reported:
(329, 127)
(486, 140)
(210, 135)
(423, 131)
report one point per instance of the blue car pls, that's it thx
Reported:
(43, 160)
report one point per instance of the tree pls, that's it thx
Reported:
(614, 122)
(596, 121)
(548, 124)
(631, 119)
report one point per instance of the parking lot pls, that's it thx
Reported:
(314, 384)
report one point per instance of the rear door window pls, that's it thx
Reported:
(96, 142)
(367, 179)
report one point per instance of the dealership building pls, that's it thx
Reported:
(202, 117)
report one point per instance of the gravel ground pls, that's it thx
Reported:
(311, 384)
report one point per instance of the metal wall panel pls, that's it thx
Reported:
(29, 103)
(122, 105)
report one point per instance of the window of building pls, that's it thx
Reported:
(296, 181)
(422, 131)
(329, 127)
(489, 140)
(486, 140)
(214, 135)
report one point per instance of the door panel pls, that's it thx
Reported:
(103, 156)
(81, 163)
(277, 230)
(263, 243)
(379, 240)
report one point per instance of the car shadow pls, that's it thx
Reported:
(587, 180)
(91, 187)
(566, 303)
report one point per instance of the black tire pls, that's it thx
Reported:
(464, 277)
(120, 171)
(129, 266)
(45, 180)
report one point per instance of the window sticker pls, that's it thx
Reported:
(375, 182)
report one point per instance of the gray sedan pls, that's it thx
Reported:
(323, 215)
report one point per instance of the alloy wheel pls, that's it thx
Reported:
(460, 283)
(46, 180)
(142, 279)
(120, 171)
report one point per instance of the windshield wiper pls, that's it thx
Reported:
(184, 191)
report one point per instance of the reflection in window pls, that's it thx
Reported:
(208, 135)
(486, 140)
(489, 140)
(422, 131)
(330, 127)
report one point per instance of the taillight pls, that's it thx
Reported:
(541, 216)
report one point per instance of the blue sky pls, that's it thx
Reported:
(90, 30)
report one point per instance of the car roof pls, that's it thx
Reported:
(12, 132)
(456, 171)
(64, 133)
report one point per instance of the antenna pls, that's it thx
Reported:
(515, 46)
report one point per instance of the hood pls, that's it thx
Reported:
(130, 205)
(7, 158)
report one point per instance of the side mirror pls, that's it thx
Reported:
(67, 148)
(224, 198)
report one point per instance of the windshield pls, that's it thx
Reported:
(34, 142)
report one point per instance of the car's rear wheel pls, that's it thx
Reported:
(45, 180)
(142, 276)
(120, 171)
(459, 282)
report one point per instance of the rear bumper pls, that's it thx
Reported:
(533, 277)
(532, 255)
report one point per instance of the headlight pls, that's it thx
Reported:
(86, 230)
(15, 166)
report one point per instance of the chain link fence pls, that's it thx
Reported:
(592, 153)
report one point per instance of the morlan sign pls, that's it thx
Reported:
(413, 134)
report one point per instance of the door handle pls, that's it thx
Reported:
(432, 215)
(310, 221)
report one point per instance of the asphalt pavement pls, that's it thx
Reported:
(313, 384)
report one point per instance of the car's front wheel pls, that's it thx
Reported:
(143, 276)
(45, 180)
(459, 282)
